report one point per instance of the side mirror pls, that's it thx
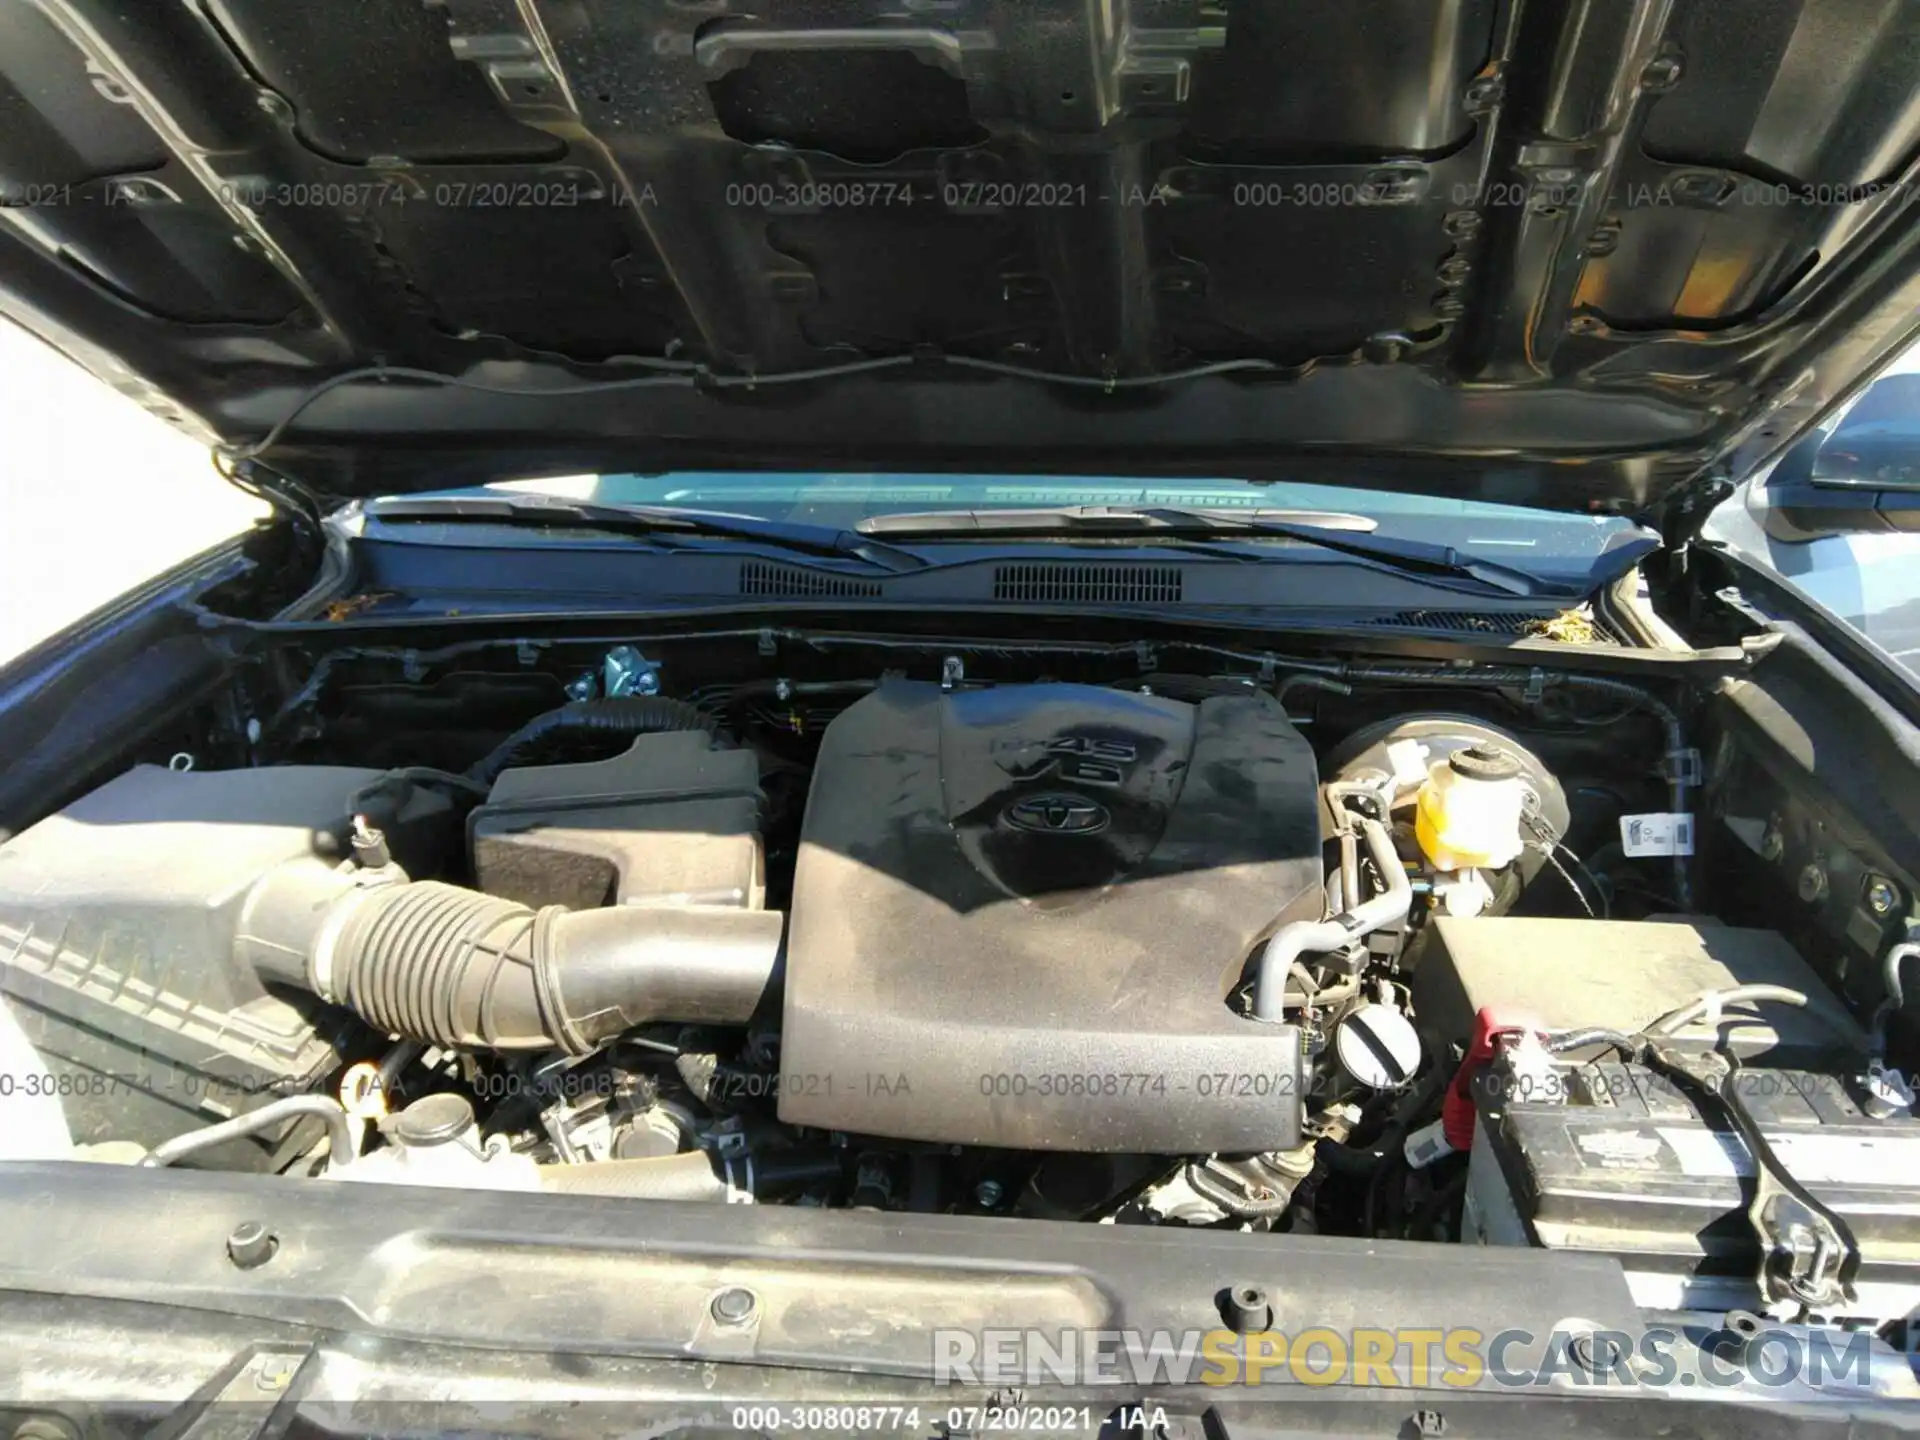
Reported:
(1864, 475)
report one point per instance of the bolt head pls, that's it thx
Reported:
(989, 1193)
(1881, 896)
(1662, 74)
(1885, 1093)
(250, 1244)
(1484, 94)
(1246, 1309)
(734, 1305)
(1594, 1353)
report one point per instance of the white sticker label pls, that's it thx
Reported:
(1811, 1157)
(1620, 1149)
(1709, 1153)
(1642, 835)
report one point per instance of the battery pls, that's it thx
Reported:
(1613, 1158)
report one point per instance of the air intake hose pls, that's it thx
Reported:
(454, 967)
(619, 715)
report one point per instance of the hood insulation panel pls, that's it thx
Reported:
(1562, 254)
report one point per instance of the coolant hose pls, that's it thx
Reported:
(454, 967)
(619, 715)
(1290, 942)
(1240, 1207)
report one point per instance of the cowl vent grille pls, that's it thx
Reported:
(760, 577)
(1460, 620)
(1066, 584)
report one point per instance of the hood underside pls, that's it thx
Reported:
(1570, 254)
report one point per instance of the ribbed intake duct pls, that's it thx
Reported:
(459, 968)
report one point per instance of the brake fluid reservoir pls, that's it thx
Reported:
(1468, 809)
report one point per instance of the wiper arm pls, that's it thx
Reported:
(665, 520)
(1330, 530)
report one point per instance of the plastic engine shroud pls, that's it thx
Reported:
(1019, 912)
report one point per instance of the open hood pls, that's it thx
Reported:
(1574, 254)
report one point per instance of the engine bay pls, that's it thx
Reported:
(1116, 935)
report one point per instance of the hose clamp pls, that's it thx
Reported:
(546, 983)
(1683, 767)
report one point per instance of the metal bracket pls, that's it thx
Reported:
(1683, 767)
(1486, 93)
(625, 671)
(254, 1394)
(1808, 1256)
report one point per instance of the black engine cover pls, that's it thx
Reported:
(1018, 913)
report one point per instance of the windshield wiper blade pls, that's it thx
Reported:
(825, 541)
(1329, 530)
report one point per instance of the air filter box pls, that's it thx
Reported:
(117, 918)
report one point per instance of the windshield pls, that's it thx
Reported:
(1540, 541)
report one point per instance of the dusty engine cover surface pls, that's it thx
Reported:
(1018, 913)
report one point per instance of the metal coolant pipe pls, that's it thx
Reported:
(1303, 937)
(454, 967)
